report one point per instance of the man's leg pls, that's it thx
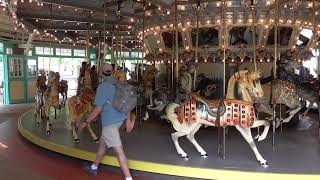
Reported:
(122, 159)
(101, 151)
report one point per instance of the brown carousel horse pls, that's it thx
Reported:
(237, 110)
(51, 97)
(41, 88)
(63, 90)
(147, 81)
(78, 107)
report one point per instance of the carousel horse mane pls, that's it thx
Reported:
(240, 81)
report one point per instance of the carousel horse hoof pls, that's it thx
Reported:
(38, 124)
(76, 140)
(185, 157)
(204, 155)
(48, 132)
(264, 164)
(95, 140)
(257, 137)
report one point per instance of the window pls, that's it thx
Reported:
(63, 52)
(115, 53)
(47, 51)
(134, 54)
(30, 53)
(126, 54)
(9, 50)
(32, 67)
(141, 55)
(92, 56)
(1, 47)
(39, 50)
(16, 67)
(108, 56)
(79, 52)
(44, 51)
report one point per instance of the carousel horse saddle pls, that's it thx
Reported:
(211, 105)
(232, 111)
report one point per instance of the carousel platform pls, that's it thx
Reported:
(149, 148)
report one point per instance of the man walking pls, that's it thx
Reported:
(111, 121)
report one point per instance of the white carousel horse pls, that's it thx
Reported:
(51, 97)
(78, 108)
(237, 110)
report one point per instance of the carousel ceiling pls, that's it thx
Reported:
(127, 21)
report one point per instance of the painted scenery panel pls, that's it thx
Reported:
(207, 37)
(169, 39)
(242, 35)
(284, 36)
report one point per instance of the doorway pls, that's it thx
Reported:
(1, 80)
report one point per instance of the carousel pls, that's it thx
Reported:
(229, 89)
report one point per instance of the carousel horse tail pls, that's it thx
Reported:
(170, 111)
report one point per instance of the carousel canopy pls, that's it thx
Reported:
(222, 24)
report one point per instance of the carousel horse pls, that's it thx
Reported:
(237, 110)
(63, 90)
(286, 89)
(147, 82)
(41, 88)
(79, 107)
(51, 97)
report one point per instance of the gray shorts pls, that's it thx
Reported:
(110, 135)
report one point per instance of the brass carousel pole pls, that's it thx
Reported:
(172, 62)
(275, 69)
(253, 13)
(104, 35)
(142, 43)
(118, 42)
(318, 59)
(50, 43)
(318, 77)
(176, 39)
(224, 34)
(253, 9)
(137, 64)
(112, 44)
(197, 43)
(222, 142)
(87, 40)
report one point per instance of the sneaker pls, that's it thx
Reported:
(87, 167)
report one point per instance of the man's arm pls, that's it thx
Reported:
(96, 111)
(130, 122)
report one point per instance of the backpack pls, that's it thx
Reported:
(125, 98)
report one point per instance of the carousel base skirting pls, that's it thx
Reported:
(150, 148)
